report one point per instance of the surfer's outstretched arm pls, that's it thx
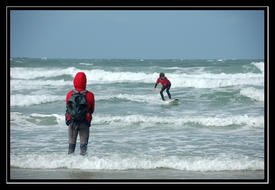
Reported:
(156, 84)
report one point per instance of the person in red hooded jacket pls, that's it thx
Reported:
(166, 84)
(81, 127)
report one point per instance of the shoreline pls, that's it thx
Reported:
(132, 174)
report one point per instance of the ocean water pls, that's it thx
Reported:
(218, 124)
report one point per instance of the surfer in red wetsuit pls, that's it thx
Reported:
(166, 84)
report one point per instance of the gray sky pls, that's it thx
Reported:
(151, 34)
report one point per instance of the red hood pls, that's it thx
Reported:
(80, 81)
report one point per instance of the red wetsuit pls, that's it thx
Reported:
(166, 84)
(163, 82)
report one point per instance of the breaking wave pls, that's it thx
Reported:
(202, 80)
(129, 120)
(116, 162)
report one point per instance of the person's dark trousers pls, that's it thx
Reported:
(167, 90)
(83, 130)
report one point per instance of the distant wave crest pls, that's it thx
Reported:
(202, 80)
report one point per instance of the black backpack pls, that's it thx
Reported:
(77, 105)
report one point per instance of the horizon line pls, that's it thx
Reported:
(141, 58)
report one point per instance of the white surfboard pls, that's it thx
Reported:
(171, 101)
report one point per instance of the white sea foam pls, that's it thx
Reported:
(202, 80)
(208, 80)
(86, 64)
(60, 119)
(27, 100)
(31, 73)
(215, 121)
(117, 162)
(129, 120)
(259, 65)
(36, 99)
(17, 84)
(24, 122)
(17, 118)
(39, 98)
(34, 73)
(151, 99)
(253, 93)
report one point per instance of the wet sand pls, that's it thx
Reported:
(147, 175)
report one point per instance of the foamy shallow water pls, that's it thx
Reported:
(217, 126)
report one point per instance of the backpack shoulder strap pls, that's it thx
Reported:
(83, 92)
(74, 92)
